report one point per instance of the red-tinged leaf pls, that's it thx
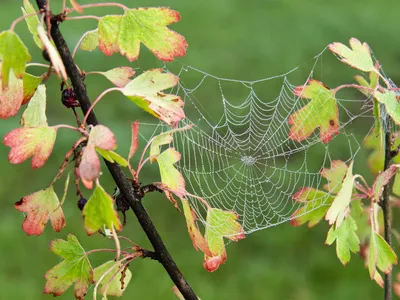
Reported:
(170, 176)
(11, 96)
(30, 84)
(316, 204)
(321, 111)
(346, 239)
(90, 40)
(335, 176)
(380, 257)
(389, 99)
(339, 209)
(35, 114)
(145, 91)
(13, 55)
(198, 240)
(25, 142)
(99, 212)
(381, 180)
(32, 22)
(76, 6)
(220, 224)
(55, 58)
(74, 269)
(143, 25)
(40, 207)
(134, 141)
(116, 282)
(102, 137)
(358, 56)
(119, 76)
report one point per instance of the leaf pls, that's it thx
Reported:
(321, 111)
(55, 58)
(335, 176)
(112, 157)
(340, 206)
(389, 98)
(102, 138)
(142, 25)
(170, 176)
(376, 158)
(13, 54)
(346, 239)
(163, 139)
(311, 198)
(32, 22)
(361, 217)
(40, 207)
(74, 269)
(117, 284)
(30, 84)
(25, 142)
(358, 56)
(35, 114)
(99, 212)
(134, 140)
(220, 224)
(119, 76)
(381, 180)
(90, 40)
(380, 256)
(198, 240)
(145, 91)
(11, 97)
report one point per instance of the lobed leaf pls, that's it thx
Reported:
(74, 269)
(389, 99)
(99, 212)
(25, 142)
(170, 176)
(321, 111)
(11, 97)
(13, 54)
(117, 282)
(35, 114)
(40, 207)
(119, 76)
(346, 239)
(145, 92)
(357, 56)
(90, 40)
(30, 84)
(32, 22)
(335, 176)
(142, 25)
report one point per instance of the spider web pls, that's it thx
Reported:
(238, 155)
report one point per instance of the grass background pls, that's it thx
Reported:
(228, 38)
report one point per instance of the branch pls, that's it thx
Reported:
(123, 184)
(386, 207)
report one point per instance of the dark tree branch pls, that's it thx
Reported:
(123, 184)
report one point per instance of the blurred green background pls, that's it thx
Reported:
(228, 38)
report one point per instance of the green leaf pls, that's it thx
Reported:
(99, 212)
(380, 256)
(335, 176)
(40, 207)
(389, 98)
(346, 239)
(30, 141)
(311, 198)
(321, 111)
(340, 206)
(74, 269)
(30, 85)
(142, 25)
(117, 283)
(35, 114)
(220, 224)
(358, 56)
(11, 96)
(90, 40)
(112, 156)
(361, 217)
(32, 22)
(145, 92)
(13, 54)
(119, 76)
(170, 176)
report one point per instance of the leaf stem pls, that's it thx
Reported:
(100, 5)
(79, 129)
(37, 65)
(16, 21)
(82, 18)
